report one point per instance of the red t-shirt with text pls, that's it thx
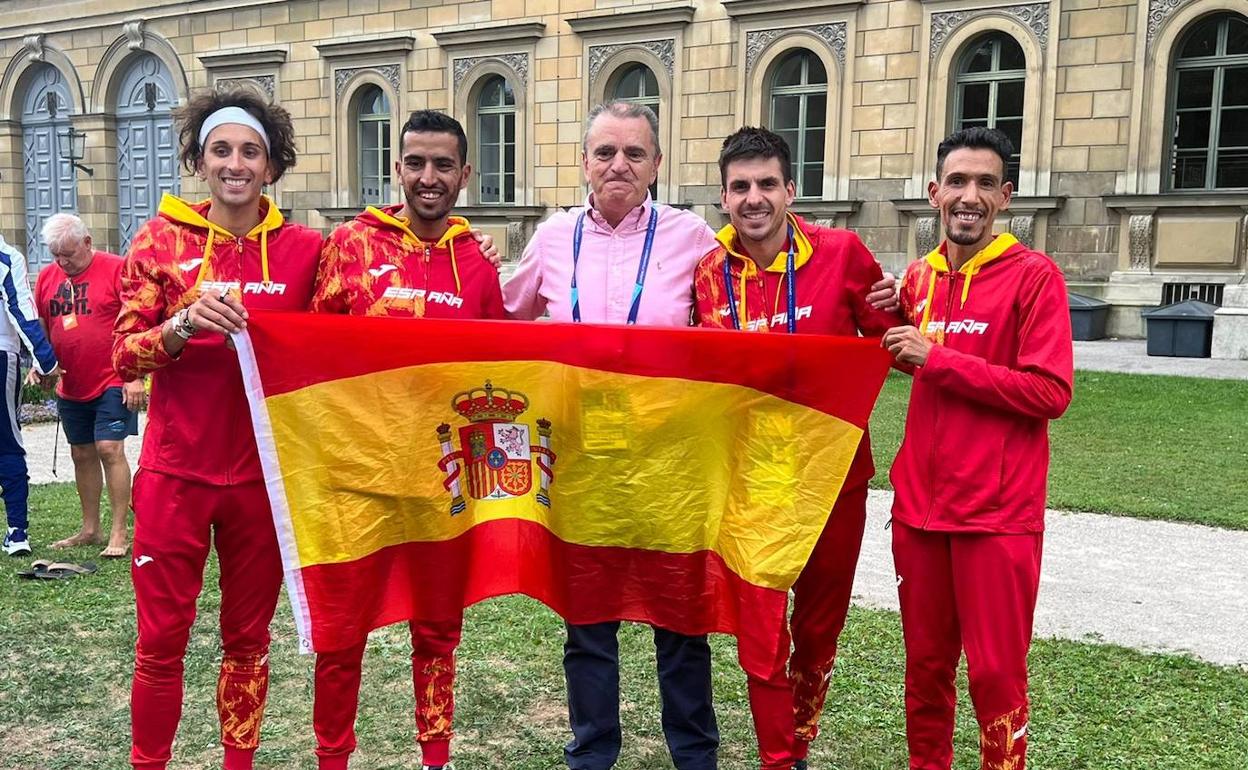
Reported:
(79, 312)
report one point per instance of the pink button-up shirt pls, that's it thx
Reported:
(607, 270)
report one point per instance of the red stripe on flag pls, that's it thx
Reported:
(687, 593)
(822, 372)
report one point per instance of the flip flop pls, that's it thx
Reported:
(36, 568)
(66, 570)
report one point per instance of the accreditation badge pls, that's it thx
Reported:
(69, 321)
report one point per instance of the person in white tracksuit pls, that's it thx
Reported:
(19, 327)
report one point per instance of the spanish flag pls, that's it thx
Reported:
(678, 477)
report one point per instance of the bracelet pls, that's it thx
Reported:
(181, 324)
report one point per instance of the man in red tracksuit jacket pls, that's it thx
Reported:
(191, 274)
(410, 260)
(990, 349)
(767, 264)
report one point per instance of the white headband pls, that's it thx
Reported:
(235, 115)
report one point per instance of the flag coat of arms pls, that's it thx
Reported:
(678, 477)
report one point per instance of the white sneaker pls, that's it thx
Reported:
(16, 543)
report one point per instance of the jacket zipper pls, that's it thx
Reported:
(932, 469)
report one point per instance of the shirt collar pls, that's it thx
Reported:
(633, 220)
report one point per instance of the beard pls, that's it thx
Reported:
(430, 211)
(965, 238)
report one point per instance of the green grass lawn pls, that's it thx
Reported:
(1140, 445)
(66, 651)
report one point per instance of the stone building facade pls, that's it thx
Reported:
(1131, 115)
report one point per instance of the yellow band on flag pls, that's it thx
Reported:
(679, 477)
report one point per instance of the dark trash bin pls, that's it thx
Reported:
(1184, 329)
(1087, 317)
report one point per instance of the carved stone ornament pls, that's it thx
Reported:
(32, 47)
(388, 71)
(1158, 12)
(1140, 241)
(266, 83)
(832, 34)
(1034, 16)
(133, 30)
(515, 240)
(665, 50)
(516, 62)
(1023, 227)
(926, 235)
(1243, 238)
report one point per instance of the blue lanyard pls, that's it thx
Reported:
(790, 282)
(642, 268)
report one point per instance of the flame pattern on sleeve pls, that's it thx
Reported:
(152, 290)
(332, 294)
(708, 291)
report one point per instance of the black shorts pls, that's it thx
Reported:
(101, 419)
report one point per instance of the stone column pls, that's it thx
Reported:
(97, 192)
(1132, 288)
(12, 184)
(1230, 322)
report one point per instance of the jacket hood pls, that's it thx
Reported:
(1002, 246)
(727, 237)
(181, 212)
(389, 218)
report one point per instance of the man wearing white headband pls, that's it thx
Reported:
(191, 276)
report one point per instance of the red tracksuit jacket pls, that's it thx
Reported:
(375, 265)
(975, 456)
(199, 423)
(834, 272)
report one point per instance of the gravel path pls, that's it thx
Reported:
(38, 438)
(1149, 585)
(1131, 356)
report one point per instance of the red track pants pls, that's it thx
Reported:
(975, 592)
(787, 705)
(175, 522)
(433, 678)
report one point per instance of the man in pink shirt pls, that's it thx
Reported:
(622, 259)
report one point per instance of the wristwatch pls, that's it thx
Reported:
(181, 324)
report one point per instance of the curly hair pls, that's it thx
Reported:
(276, 121)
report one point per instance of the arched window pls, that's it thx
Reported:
(637, 84)
(799, 105)
(496, 141)
(1209, 98)
(988, 91)
(372, 121)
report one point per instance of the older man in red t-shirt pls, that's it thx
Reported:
(77, 298)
